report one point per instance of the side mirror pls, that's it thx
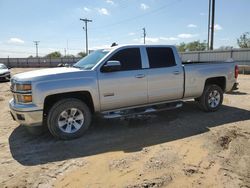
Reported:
(111, 66)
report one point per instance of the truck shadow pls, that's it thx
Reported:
(237, 93)
(120, 135)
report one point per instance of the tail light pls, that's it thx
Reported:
(236, 71)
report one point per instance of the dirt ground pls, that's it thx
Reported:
(178, 148)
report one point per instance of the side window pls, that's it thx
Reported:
(160, 57)
(130, 59)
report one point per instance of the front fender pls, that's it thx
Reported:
(42, 89)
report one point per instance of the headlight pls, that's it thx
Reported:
(22, 92)
(24, 98)
(23, 87)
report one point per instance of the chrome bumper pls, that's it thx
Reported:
(26, 116)
(5, 75)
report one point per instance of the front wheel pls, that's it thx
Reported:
(69, 119)
(211, 98)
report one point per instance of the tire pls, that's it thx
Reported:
(36, 130)
(69, 119)
(211, 99)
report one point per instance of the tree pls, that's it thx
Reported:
(69, 56)
(55, 54)
(244, 40)
(81, 54)
(196, 46)
(192, 46)
(181, 47)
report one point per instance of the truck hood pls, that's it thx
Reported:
(50, 74)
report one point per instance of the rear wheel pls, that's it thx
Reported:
(211, 98)
(69, 119)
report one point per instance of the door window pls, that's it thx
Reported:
(160, 57)
(129, 58)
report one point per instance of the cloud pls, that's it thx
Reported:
(103, 11)
(152, 40)
(191, 25)
(100, 47)
(148, 40)
(156, 39)
(110, 2)
(217, 27)
(15, 41)
(86, 9)
(131, 34)
(144, 6)
(169, 38)
(186, 36)
(163, 40)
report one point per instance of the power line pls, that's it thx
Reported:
(139, 16)
(86, 32)
(36, 44)
(144, 35)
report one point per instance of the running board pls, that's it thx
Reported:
(142, 110)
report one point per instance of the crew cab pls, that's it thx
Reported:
(116, 82)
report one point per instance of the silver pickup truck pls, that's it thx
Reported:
(116, 82)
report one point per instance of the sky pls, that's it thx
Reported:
(56, 23)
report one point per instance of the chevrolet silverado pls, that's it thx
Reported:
(116, 82)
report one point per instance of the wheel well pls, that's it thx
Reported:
(84, 96)
(220, 81)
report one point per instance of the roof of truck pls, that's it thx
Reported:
(136, 45)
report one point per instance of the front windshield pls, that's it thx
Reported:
(2, 66)
(89, 61)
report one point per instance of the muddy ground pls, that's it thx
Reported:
(178, 148)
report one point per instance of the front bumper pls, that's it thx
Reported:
(27, 116)
(5, 75)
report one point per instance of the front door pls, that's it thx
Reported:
(124, 88)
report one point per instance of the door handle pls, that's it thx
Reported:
(140, 76)
(176, 72)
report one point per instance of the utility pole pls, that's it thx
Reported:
(209, 24)
(212, 27)
(36, 44)
(67, 47)
(86, 32)
(144, 35)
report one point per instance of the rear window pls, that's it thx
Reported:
(160, 57)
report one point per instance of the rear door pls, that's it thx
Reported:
(165, 76)
(127, 87)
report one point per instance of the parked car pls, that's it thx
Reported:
(116, 82)
(4, 72)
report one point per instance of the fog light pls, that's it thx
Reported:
(20, 116)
